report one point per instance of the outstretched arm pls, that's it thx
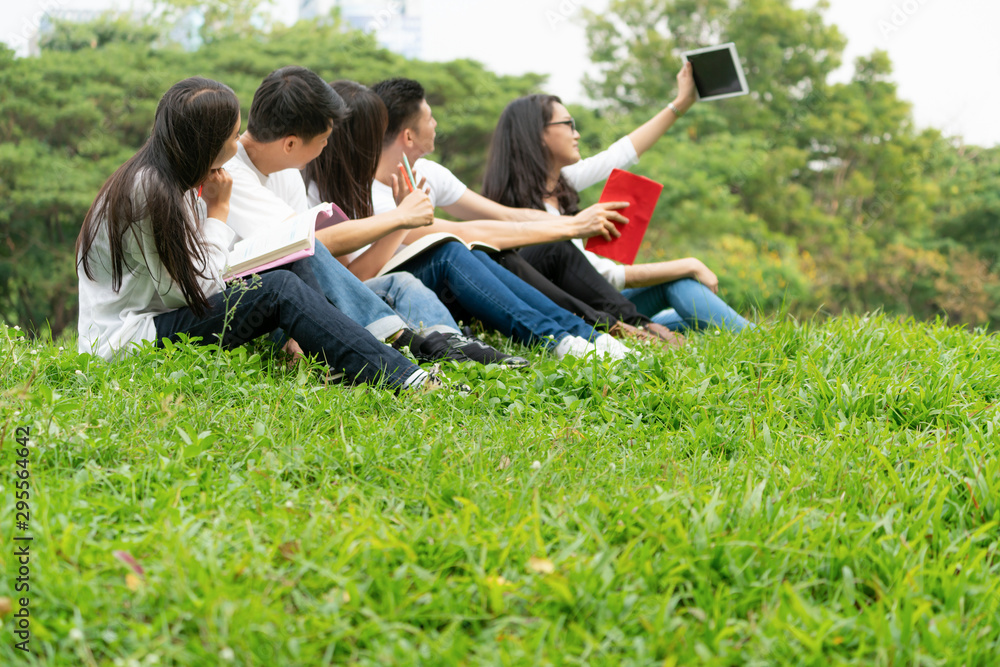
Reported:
(414, 210)
(473, 206)
(649, 132)
(596, 220)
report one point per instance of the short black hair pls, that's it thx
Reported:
(294, 101)
(402, 98)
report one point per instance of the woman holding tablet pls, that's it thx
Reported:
(150, 255)
(534, 162)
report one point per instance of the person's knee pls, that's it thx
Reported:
(450, 251)
(404, 281)
(282, 286)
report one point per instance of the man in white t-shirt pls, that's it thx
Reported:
(268, 188)
(411, 131)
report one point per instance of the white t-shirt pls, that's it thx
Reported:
(111, 322)
(258, 201)
(443, 187)
(595, 169)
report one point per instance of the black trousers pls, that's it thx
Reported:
(562, 273)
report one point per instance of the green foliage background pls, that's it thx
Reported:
(806, 195)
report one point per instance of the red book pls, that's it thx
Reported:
(642, 194)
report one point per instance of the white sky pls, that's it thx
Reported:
(945, 53)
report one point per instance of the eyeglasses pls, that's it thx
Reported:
(570, 122)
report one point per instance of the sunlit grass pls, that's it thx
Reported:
(801, 494)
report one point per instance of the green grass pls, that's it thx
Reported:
(802, 494)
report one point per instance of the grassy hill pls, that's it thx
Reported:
(802, 494)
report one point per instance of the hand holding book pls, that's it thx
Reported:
(599, 220)
(642, 195)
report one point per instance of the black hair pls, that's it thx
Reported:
(344, 171)
(193, 121)
(402, 98)
(294, 101)
(517, 168)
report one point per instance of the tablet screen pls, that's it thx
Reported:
(715, 73)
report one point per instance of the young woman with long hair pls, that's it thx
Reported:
(534, 162)
(469, 285)
(151, 256)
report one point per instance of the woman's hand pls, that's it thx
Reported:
(215, 192)
(702, 274)
(598, 219)
(685, 89)
(416, 210)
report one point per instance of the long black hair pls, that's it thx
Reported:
(344, 171)
(517, 169)
(193, 121)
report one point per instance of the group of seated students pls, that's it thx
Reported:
(154, 246)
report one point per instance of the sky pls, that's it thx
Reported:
(945, 53)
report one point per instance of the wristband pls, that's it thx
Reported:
(674, 109)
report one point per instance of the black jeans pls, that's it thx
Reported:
(282, 300)
(572, 282)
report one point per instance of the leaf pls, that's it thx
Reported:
(541, 565)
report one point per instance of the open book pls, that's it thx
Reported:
(425, 243)
(290, 240)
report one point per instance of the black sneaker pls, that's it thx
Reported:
(432, 347)
(480, 352)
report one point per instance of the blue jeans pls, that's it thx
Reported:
(455, 275)
(351, 297)
(283, 300)
(685, 304)
(535, 298)
(414, 302)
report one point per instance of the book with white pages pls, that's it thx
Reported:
(425, 243)
(290, 240)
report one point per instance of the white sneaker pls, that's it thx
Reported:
(573, 346)
(611, 347)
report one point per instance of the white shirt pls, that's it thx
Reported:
(585, 173)
(259, 201)
(111, 322)
(443, 187)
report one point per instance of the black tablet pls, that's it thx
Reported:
(717, 72)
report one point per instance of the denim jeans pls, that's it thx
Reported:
(413, 301)
(685, 304)
(456, 276)
(351, 297)
(535, 298)
(283, 300)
